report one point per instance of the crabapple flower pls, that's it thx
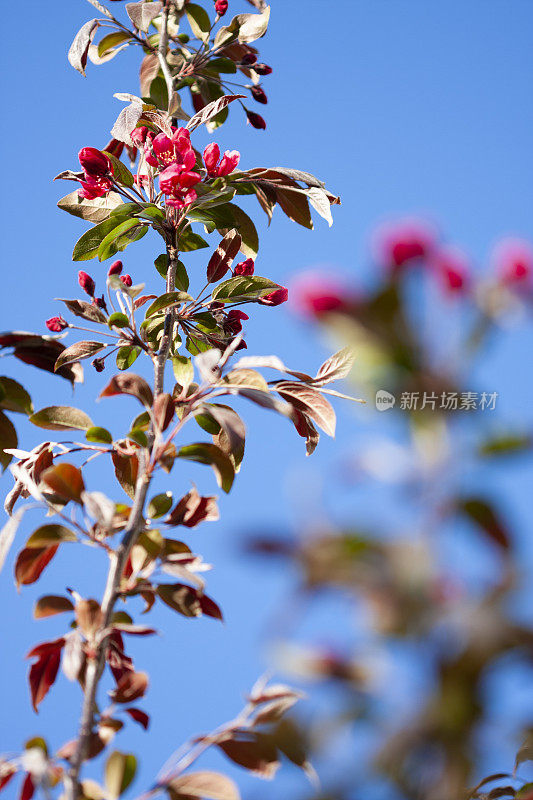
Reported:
(245, 267)
(86, 283)
(256, 120)
(126, 280)
(115, 268)
(275, 298)
(56, 324)
(138, 135)
(452, 269)
(161, 151)
(233, 321)
(316, 293)
(177, 185)
(221, 6)
(94, 162)
(229, 161)
(259, 95)
(93, 187)
(404, 241)
(513, 259)
(211, 156)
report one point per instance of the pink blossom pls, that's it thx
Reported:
(316, 293)
(138, 135)
(93, 187)
(221, 6)
(245, 267)
(275, 298)
(229, 161)
(211, 156)
(126, 280)
(513, 259)
(263, 69)
(94, 162)
(404, 241)
(56, 324)
(452, 268)
(233, 321)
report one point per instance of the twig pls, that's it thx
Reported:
(162, 54)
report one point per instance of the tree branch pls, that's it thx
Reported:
(162, 54)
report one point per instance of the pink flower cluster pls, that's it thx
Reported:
(97, 170)
(175, 159)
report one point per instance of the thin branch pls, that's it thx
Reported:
(162, 54)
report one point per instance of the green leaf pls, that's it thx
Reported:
(160, 505)
(61, 418)
(118, 320)
(166, 300)
(127, 355)
(48, 535)
(188, 241)
(112, 40)
(94, 211)
(243, 288)
(224, 65)
(247, 230)
(139, 437)
(120, 770)
(87, 246)
(153, 212)
(99, 435)
(183, 371)
(120, 171)
(8, 439)
(14, 396)
(205, 453)
(117, 239)
(199, 21)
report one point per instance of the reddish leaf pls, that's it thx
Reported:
(44, 671)
(222, 258)
(6, 771)
(139, 716)
(130, 687)
(64, 480)
(129, 383)
(28, 788)
(193, 509)
(253, 751)
(31, 562)
(126, 470)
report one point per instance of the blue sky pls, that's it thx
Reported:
(403, 107)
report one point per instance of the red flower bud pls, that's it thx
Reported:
(275, 298)
(248, 59)
(259, 95)
(98, 364)
(126, 280)
(256, 120)
(233, 321)
(263, 69)
(245, 267)
(229, 161)
(115, 268)
(114, 147)
(86, 283)
(513, 259)
(405, 241)
(221, 6)
(211, 156)
(314, 293)
(56, 324)
(94, 162)
(452, 269)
